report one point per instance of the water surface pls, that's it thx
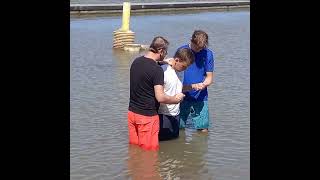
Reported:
(99, 97)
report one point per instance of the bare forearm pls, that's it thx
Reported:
(209, 79)
(165, 61)
(168, 99)
(207, 82)
(162, 62)
(163, 98)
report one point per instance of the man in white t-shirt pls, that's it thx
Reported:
(173, 78)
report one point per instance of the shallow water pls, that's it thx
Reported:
(99, 97)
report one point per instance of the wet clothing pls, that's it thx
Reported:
(169, 127)
(197, 100)
(169, 113)
(198, 112)
(143, 118)
(143, 130)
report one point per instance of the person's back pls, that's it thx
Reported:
(144, 73)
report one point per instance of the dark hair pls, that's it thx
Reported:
(200, 38)
(158, 43)
(185, 55)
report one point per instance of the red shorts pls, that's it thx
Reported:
(143, 130)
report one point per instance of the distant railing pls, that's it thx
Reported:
(150, 6)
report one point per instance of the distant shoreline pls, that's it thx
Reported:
(78, 9)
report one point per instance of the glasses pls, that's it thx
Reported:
(165, 52)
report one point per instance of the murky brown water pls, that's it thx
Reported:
(100, 91)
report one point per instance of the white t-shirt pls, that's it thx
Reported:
(172, 86)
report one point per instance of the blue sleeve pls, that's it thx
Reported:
(209, 62)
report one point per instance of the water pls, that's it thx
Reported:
(132, 1)
(99, 97)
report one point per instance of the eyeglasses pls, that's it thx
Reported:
(165, 52)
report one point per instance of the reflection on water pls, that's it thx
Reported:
(125, 57)
(99, 97)
(142, 164)
(184, 158)
(174, 159)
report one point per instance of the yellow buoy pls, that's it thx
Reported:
(126, 16)
(124, 36)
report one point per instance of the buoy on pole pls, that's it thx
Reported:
(124, 36)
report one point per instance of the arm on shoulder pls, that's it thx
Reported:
(165, 61)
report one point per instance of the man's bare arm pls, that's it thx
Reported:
(163, 98)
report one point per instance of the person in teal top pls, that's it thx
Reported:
(200, 73)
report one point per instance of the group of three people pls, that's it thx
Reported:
(163, 93)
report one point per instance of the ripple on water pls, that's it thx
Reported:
(99, 93)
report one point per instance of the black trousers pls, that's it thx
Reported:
(169, 127)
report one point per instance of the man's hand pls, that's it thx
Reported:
(179, 96)
(168, 61)
(198, 86)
